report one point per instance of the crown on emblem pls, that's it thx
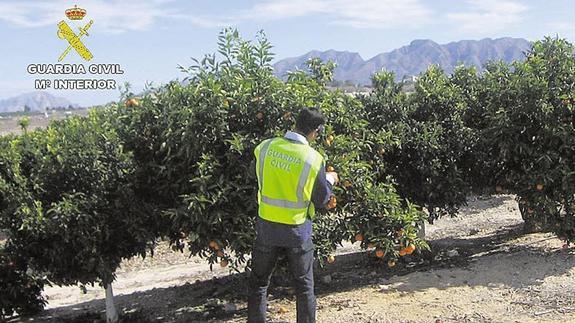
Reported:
(75, 13)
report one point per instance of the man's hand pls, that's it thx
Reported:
(332, 177)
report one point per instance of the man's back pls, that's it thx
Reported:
(271, 232)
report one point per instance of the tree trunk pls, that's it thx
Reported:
(421, 231)
(539, 223)
(111, 313)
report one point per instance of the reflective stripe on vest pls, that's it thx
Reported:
(263, 153)
(304, 175)
(284, 203)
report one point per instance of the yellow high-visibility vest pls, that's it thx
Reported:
(286, 174)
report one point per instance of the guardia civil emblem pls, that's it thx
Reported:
(74, 41)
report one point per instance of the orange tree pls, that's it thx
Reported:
(193, 146)
(475, 158)
(20, 290)
(530, 134)
(370, 210)
(72, 213)
(430, 152)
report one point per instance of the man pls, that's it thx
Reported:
(292, 183)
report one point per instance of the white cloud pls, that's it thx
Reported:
(357, 14)
(124, 15)
(563, 29)
(203, 21)
(559, 26)
(108, 15)
(28, 14)
(488, 16)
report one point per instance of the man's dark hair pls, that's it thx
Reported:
(308, 120)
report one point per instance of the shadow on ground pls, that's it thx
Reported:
(479, 261)
(483, 203)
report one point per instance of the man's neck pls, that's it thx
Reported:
(294, 135)
(301, 133)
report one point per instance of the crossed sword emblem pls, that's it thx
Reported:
(74, 41)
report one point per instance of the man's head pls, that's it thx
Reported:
(310, 123)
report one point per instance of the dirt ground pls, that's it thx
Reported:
(482, 269)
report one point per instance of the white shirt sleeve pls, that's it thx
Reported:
(330, 178)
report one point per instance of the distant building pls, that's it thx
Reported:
(410, 78)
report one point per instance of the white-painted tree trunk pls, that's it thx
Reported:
(111, 313)
(421, 231)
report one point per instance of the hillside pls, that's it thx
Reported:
(34, 101)
(413, 58)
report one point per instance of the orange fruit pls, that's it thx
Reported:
(332, 202)
(330, 138)
(402, 252)
(410, 249)
(330, 169)
(539, 187)
(133, 102)
(391, 263)
(358, 237)
(379, 253)
(224, 263)
(347, 183)
(330, 259)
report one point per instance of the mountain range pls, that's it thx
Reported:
(412, 59)
(38, 101)
(406, 61)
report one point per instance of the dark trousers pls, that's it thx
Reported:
(264, 259)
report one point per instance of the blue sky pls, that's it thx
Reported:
(150, 38)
